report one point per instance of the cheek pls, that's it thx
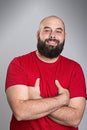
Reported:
(43, 37)
(61, 38)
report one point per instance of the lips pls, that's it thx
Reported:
(51, 42)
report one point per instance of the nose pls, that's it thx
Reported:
(52, 34)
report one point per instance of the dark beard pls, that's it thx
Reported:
(50, 51)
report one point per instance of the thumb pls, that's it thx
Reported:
(37, 83)
(58, 85)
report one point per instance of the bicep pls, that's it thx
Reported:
(17, 93)
(78, 103)
(70, 115)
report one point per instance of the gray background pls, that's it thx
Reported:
(19, 21)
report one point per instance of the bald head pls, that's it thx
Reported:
(51, 19)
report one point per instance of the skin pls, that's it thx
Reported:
(27, 104)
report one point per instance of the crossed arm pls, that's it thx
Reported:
(27, 104)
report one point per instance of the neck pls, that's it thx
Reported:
(45, 59)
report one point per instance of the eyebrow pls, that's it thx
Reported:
(46, 27)
(59, 28)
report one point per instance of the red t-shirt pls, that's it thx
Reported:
(27, 68)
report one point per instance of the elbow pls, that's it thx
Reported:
(76, 123)
(20, 115)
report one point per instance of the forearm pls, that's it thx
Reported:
(37, 108)
(27, 104)
(67, 116)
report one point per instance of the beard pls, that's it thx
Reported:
(50, 51)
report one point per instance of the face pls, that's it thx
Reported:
(49, 51)
(51, 37)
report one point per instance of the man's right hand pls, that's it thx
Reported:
(34, 92)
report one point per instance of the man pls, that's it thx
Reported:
(45, 90)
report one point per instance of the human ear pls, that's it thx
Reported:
(37, 34)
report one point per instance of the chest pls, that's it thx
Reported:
(47, 74)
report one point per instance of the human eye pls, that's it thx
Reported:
(58, 31)
(47, 30)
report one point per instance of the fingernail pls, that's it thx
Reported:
(56, 80)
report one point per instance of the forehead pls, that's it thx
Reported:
(52, 22)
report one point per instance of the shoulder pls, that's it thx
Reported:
(69, 61)
(70, 64)
(23, 58)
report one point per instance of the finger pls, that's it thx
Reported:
(37, 85)
(37, 82)
(57, 83)
(60, 88)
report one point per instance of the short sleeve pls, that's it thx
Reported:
(77, 83)
(16, 74)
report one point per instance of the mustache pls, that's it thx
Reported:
(52, 39)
